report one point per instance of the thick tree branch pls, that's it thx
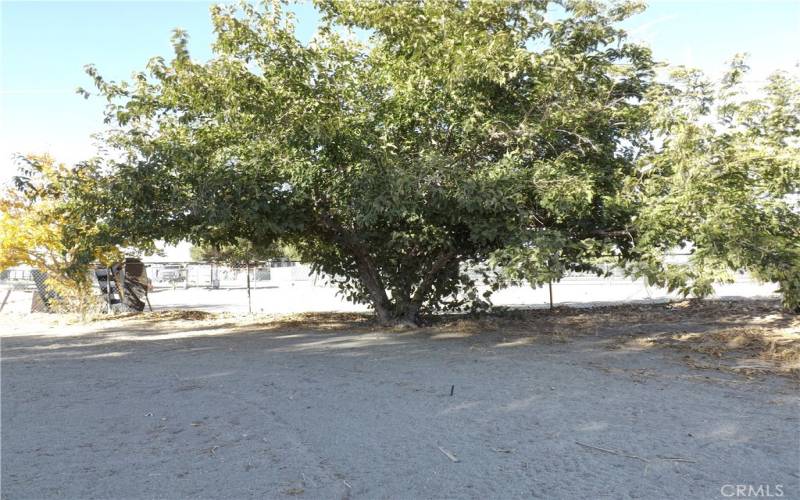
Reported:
(430, 277)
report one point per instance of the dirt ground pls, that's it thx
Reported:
(661, 401)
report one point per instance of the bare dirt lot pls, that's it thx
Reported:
(661, 401)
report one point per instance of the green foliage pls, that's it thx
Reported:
(459, 133)
(242, 252)
(725, 182)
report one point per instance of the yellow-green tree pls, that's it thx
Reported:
(45, 223)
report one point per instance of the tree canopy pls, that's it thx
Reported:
(458, 133)
(723, 179)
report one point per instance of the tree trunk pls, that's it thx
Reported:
(377, 293)
(407, 308)
(409, 315)
(399, 310)
(367, 271)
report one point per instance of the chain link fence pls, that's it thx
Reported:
(25, 290)
(186, 275)
(17, 285)
(289, 287)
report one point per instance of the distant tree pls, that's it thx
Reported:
(723, 181)
(240, 253)
(461, 133)
(45, 223)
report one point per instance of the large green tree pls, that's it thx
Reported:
(456, 133)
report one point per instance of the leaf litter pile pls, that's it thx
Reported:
(747, 337)
(746, 350)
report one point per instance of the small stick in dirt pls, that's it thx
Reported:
(452, 388)
(449, 454)
(211, 451)
(347, 484)
(677, 459)
(613, 452)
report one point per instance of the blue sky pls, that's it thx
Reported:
(46, 44)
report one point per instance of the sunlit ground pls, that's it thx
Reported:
(649, 401)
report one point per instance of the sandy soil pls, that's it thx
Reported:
(564, 405)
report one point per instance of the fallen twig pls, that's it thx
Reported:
(677, 459)
(623, 454)
(613, 452)
(449, 454)
(211, 451)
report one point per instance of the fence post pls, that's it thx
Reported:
(108, 290)
(8, 292)
(249, 303)
(121, 284)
